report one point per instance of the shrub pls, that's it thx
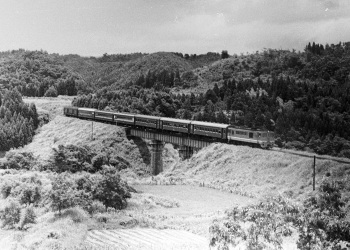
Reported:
(98, 161)
(96, 207)
(322, 225)
(5, 188)
(77, 214)
(26, 191)
(27, 217)
(102, 217)
(260, 226)
(19, 160)
(63, 193)
(10, 214)
(72, 158)
(29, 193)
(110, 189)
(51, 92)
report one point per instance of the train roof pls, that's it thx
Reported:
(211, 124)
(175, 120)
(102, 111)
(87, 109)
(147, 117)
(127, 114)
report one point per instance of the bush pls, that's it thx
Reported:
(102, 217)
(322, 225)
(77, 214)
(98, 161)
(27, 217)
(63, 193)
(72, 158)
(26, 191)
(96, 207)
(295, 145)
(10, 214)
(18, 160)
(51, 92)
(5, 189)
(110, 189)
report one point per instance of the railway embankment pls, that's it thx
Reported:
(256, 172)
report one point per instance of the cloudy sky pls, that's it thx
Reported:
(94, 27)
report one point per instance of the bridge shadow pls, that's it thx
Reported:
(143, 148)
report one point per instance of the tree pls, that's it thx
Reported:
(224, 54)
(51, 92)
(63, 193)
(110, 189)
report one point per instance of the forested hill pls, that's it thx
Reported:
(303, 96)
(36, 73)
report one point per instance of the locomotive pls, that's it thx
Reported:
(215, 131)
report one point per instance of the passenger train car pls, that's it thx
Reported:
(215, 131)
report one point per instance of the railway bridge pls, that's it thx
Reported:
(187, 145)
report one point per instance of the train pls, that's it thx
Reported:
(211, 131)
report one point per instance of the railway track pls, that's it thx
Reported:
(310, 155)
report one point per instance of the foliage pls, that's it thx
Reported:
(10, 214)
(322, 224)
(27, 216)
(92, 192)
(72, 158)
(36, 73)
(27, 190)
(96, 207)
(18, 160)
(258, 226)
(63, 193)
(77, 214)
(51, 92)
(110, 189)
(303, 97)
(17, 120)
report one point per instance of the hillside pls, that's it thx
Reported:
(256, 172)
(121, 74)
(36, 73)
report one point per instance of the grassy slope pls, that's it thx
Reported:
(66, 130)
(256, 171)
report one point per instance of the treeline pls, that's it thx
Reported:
(119, 57)
(17, 120)
(37, 73)
(304, 115)
(165, 79)
(201, 59)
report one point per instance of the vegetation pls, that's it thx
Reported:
(17, 120)
(307, 108)
(318, 223)
(36, 73)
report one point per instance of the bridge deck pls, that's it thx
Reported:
(169, 138)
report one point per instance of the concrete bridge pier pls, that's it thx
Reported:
(185, 152)
(156, 156)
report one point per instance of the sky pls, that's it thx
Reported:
(95, 27)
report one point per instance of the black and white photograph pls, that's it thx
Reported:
(175, 124)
